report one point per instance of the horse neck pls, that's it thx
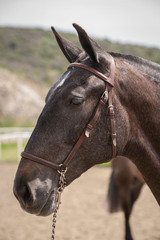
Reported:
(141, 99)
(147, 68)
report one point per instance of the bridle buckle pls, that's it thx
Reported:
(104, 96)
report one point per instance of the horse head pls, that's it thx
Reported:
(69, 106)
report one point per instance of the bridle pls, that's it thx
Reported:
(106, 97)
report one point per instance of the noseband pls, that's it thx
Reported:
(106, 97)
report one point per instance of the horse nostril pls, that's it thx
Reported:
(23, 193)
(27, 196)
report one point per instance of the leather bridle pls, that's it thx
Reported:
(106, 97)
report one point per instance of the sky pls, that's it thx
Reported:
(126, 21)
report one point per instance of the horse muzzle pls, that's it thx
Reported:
(36, 197)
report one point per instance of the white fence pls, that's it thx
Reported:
(18, 135)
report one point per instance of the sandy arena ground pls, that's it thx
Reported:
(82, 214)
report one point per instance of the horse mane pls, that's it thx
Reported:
(147, 68)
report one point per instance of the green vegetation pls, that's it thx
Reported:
(108, 164)
(9, 152)
(34, 54)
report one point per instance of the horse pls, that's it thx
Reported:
(104, 105)
(124, 188)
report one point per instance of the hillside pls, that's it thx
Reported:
(20, 100)
(30, 62)
(34, 53)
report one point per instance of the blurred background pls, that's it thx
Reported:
(31, 62)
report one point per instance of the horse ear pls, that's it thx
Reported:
(90, 46)
(70, 51)
(96, 53)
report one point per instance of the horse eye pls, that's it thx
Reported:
(77, 100)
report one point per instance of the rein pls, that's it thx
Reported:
(106, 97)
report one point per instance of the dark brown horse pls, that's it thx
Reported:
(69, 107)
(125, 185)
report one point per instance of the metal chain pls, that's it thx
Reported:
(54, 222)
(62, 184)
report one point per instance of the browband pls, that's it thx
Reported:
(95, 72)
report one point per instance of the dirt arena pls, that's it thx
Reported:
(82, 214)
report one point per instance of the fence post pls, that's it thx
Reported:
(19, 147)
